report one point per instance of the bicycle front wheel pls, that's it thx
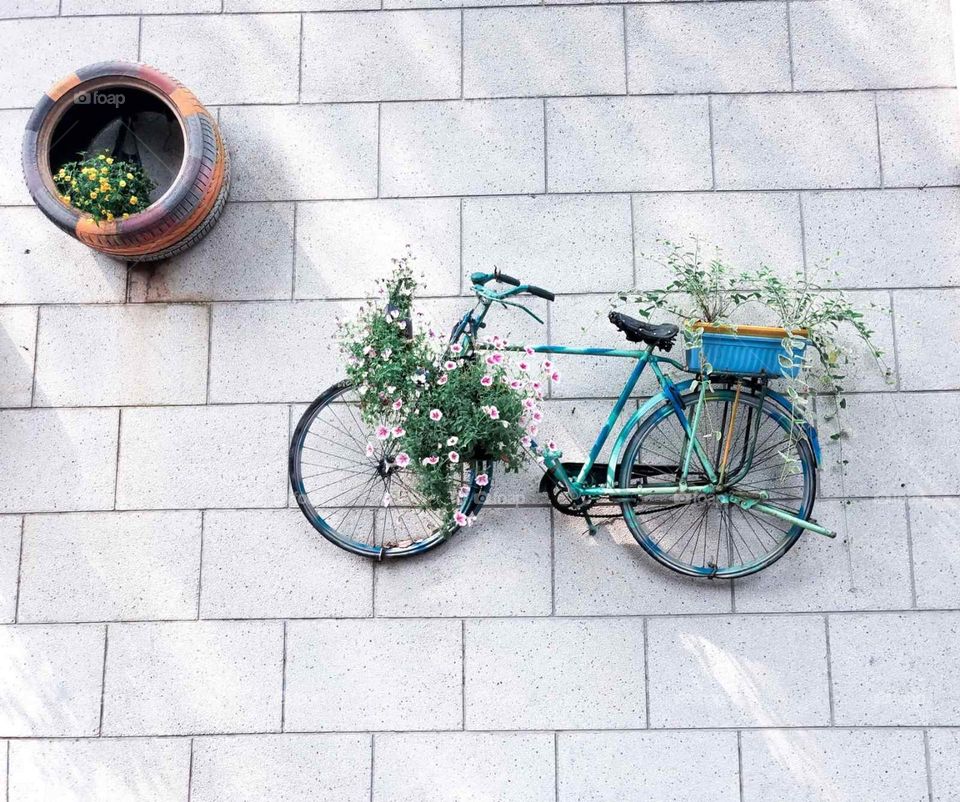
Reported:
(700, 535)
(347, 486)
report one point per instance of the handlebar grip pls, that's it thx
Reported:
(540, 292)
(506, 279)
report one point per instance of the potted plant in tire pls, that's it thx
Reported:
(141, 118)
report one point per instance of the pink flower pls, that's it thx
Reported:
(523, 366)
(495, 358)
(555, 376)
(486, 381)
(528, 350)
(525, 441)
(382, 432)
(398, 431)
(453, 456)
(449, 365)
(435, 414)
(481, 480)
(494, 413)
(537, 416)
(402, 460)
(532, 429)
(369, 449)
(551, 444)
(528, 403)
(547, 364)
(463, 492)
(456, 348)
(430, 460)
(516, 384)
(460, 518)
(397, 404)
(386, 499)
(442, 380)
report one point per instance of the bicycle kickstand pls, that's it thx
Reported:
(592, 527)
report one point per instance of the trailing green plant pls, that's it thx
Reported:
(431, 406)
(704, 290)
(104, 187)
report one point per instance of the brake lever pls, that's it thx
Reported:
(521, 306)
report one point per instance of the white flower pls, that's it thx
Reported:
(452, 441)
(454, 457)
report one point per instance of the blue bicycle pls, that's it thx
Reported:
(715, 476)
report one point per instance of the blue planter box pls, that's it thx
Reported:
(745, 355)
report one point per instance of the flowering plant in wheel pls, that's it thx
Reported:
(401, 454)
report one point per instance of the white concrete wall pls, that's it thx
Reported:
(170, 622)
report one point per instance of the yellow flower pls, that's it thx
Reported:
(130, 176)
(101, 156)
(109, 215)
(125, 215)
(103, 170)
(93, 195)
(123, 183)
(109, 160)
(65, 198)
(133, 200)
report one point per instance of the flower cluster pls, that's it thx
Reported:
(435, 407)
(104, 187)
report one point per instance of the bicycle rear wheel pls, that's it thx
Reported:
(347, 486)
(700, 535)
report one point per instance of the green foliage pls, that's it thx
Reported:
(103, 187)
(711, 291)
(432, 405)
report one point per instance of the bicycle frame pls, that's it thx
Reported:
(578, 486)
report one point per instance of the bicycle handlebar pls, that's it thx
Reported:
(533, 289)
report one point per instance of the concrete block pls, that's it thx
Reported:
(553, 673)
(251, 768)
(193, 677)
(560, 242)
(543, 51)
(890, 668)
(793, 141)
(919, 137)
(274, 564)
(200, 457)
(893, 238)
(500, 566)
(383, 56)
(269, 161)
(722, 47)
(92, 770)
(103, 566)
(490, 765)
(18, 337)
(247, 257)
(344, 247)
(874, 45)
(112, 355)
(751, 671)
(264, 50)
(624, 144)
(57, 459)
(373, 675)
(50, 680)
(479, 147)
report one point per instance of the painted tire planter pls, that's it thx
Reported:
(177, 135)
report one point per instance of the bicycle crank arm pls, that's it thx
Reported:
(776, 512)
